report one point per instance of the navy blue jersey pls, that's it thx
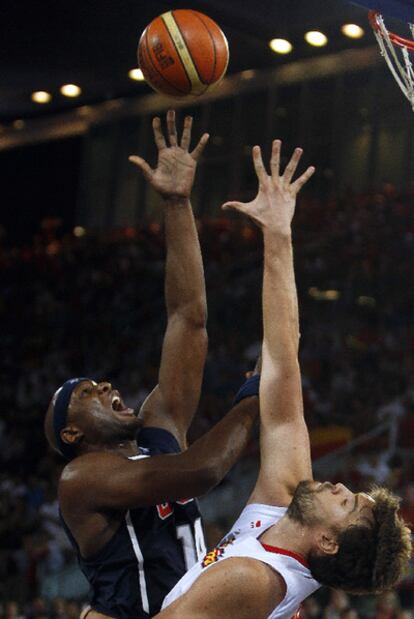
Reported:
(151, 550)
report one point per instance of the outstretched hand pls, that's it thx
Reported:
(174, 175)
(274, 205)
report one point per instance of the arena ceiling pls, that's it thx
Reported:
(92, 43)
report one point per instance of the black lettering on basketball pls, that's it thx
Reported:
(163, 59)
(166, 62)
(156, 78)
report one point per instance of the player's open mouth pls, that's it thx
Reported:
(119, 406)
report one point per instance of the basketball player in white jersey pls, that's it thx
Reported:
(295, 533)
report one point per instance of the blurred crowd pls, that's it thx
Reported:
(40, 608)
(93, 305)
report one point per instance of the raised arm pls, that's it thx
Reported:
(110, 481)
(173, 402)
(284, 439)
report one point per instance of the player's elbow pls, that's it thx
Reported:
(283, 367)
(194, 313)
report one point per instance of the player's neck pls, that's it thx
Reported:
(288, 535)
(125, 448)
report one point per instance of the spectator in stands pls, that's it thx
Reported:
(349, 613)
(387, 606)
(338, 602)
(311, 608)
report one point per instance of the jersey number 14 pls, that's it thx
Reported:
(194, 547)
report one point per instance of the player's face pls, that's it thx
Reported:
(333, 504)
(100, 410)
(340, 507)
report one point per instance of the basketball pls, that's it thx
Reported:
(183, 53)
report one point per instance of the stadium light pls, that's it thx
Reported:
(41, 96)
(70, 90)
(316, 38)
(136, 75)
(79, 231)
(281, 46)
(353, 31)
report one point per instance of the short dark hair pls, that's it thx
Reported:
(370, 559)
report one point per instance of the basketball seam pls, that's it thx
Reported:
(213, 43)
(156, 70)
(178, 51)
(159, 73)
(189, 52)
(223, 73)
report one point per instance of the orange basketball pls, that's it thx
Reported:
(183, 52)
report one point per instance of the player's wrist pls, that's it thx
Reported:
(176, 201)
(277, 248)
(277, 235)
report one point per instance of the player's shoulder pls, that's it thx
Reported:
(84, 476)
(256, 518)
(252, 569)
(254, 580)
(87, 465)
(253, 583)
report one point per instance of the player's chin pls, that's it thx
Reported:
(127, 416)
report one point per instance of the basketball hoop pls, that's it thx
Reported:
(401, 65)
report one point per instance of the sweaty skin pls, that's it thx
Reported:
(110, 484)
(244, 587)
(101, 484)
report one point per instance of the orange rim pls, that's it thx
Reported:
(395, 38)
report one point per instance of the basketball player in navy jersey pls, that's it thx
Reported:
(295, 533)
(127, 505)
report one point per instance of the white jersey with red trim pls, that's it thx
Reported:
(242, 541)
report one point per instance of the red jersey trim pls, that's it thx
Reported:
(288, 553)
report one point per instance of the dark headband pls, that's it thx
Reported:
(60, 414)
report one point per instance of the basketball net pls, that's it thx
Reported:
(400, 64)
